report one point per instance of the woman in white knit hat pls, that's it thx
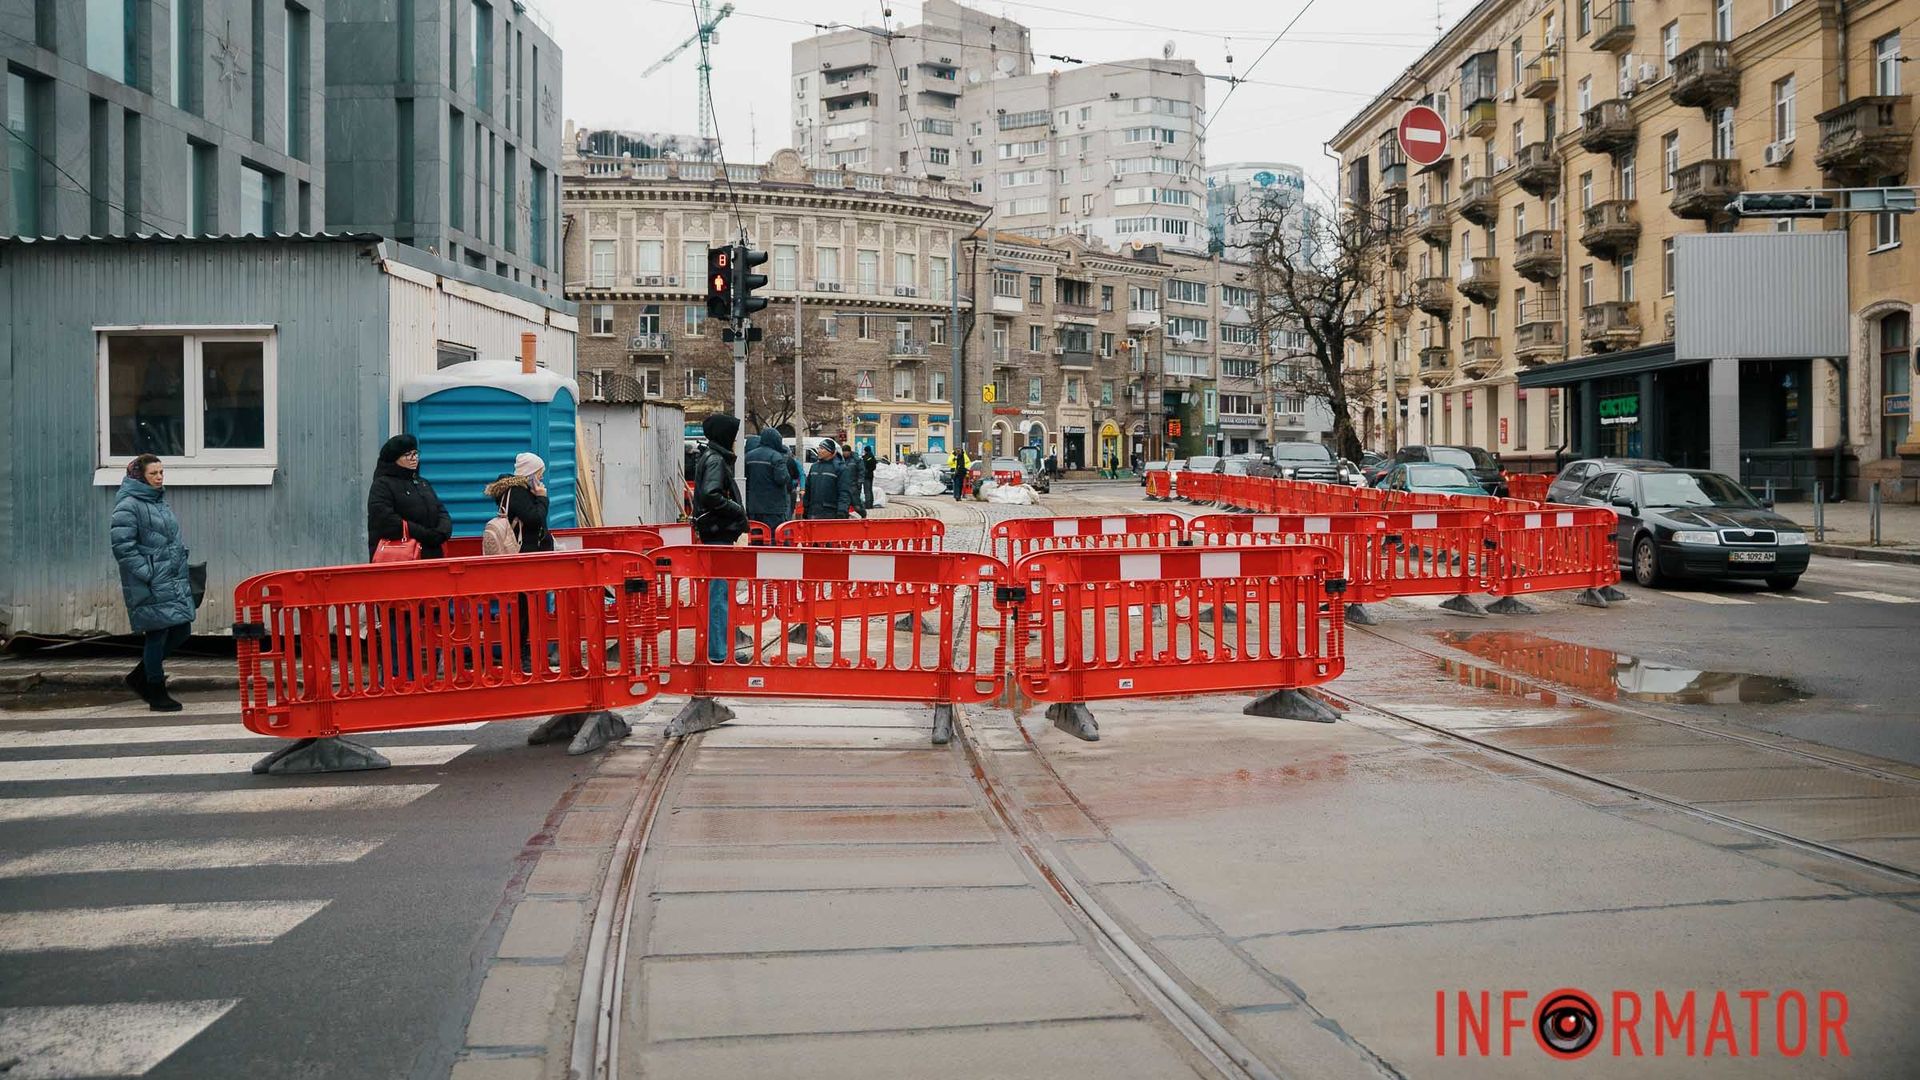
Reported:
(524, 496)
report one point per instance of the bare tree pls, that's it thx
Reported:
(1323, 274)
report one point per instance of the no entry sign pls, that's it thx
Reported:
(1423, 135)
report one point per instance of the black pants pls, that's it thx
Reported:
(159, 645)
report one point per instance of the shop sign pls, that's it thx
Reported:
(1620, 409)
(903, 421)
(1897, 405)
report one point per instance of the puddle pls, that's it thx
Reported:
(1605, 674)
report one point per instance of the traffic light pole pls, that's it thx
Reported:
(740, 328)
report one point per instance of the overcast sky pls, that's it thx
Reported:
(1334, 59)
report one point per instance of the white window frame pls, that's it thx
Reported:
(651, 381)
(597, 277)
(1886, 64)
(1669, 47)
(593, 320)
(650, 257)
(197, 466)
(937, 385)
(1784, 108)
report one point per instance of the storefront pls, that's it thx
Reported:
(1110, 444)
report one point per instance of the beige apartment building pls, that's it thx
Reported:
(1532, 294)
(866, 260)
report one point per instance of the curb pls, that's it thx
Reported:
(40, 681)
(1867, 554)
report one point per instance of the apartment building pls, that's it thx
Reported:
(865, 260)
(1240, 194)
(130, 117)
(1533, 296)
(1111, 151)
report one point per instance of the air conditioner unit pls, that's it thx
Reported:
(1629, 87)
(1501, 164)
(673, 282)
(1649, 73)
(905, 290)
(1777, 153)
(1553, 39)
(1507, 94)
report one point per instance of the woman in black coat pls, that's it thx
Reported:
(400, 495)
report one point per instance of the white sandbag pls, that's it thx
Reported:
(924, 482)
(891, 479)
(879, 497)
(1012, 494)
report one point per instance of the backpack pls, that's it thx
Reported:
(501, 535)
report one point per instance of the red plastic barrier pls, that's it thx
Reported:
(1432, 553)
(1159, 484)
(335, 650)
(864, 534)
(1116, 624)
(1528, 487)
(1360, 540)
(1199, 487)
(638, 539)
(1571, 548)
(1016, 538)
(853, 601)
(1009, 476)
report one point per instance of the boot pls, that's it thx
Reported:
(137, 679)
(158, 699)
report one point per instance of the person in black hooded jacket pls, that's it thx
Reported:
(771, 476)
(718, 518)
(401, 496)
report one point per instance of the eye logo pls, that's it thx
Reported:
(1567, 1024)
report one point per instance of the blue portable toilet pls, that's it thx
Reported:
(473, 419)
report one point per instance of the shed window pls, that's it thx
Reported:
(201, 398)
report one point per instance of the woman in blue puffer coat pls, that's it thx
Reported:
(153, 575)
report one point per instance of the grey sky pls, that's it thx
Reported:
(1335, 58)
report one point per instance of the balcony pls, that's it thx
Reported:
(1434, 295)
(1540, 79)
(1009, 305)
(846, 86)
(1613, 27)
(1538, 343)
(1705, 76)
(1535, 169)
(1480, 280)
(1609, 228)
(1536, 255)
(1610, 326)
(1138, 320)
(1434, 224)
(1074, 358)
(1866, 138)
(1480, 355)
(1064, 311)
(1608, 128)
(1477, 203)
(1393, 178)
(1703, 189)
(906, 350)
(1436, 364)
(1480, 118)
(650, 343)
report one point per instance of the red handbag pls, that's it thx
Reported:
(405, 549)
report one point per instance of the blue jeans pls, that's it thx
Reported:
(719, 634)
(158, 646)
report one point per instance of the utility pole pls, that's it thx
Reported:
(799, 383)
(957, 394)
(1266, 355)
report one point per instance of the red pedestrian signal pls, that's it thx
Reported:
(1173, 429)
(720, 283)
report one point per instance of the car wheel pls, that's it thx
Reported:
(1783, 582)
(1646, 563)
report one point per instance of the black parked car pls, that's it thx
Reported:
(1305, 461)
(1475, 462)
(1697, 524)
(1577, 473)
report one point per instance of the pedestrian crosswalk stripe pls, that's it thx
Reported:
(244, 922)
(122, 768)
(1884, 598)
(1707, 598)
(166, 733)
(187, 855)
(53, 1042)
(270, 800)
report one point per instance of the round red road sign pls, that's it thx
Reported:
(1423, 135)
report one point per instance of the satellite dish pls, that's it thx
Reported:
(973, 76)
(1004, 65)
(1166, 51)
(1137, 245)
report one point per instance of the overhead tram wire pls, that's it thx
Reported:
(719, 145)
(1214, 113)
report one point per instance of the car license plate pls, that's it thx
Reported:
(1750, 556)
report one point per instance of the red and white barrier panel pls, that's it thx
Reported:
(1016, 538)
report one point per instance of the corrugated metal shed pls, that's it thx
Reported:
(1755, 296)
(329, 301)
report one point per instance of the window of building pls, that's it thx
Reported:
(830, 326)
(786, 267)
(1886, 65)
(1178, 328)
(1519, 219)
(939, 155)
(1723, 132)
(1627, 291)
(293, 81)
(696, 383)
(1886, 227)
(480, 50)
(207, 397)
(650, 381)
(937, 385)
(1669, 47)
(1106, 391)
(1006, 284)
(1623, 184)
(1623, 80)
(1896, 382)
(1667, 266)
(1034, 389)
(905, 272)
(693, 261)
(1780, 6)
(257, 211)
(826, 265)
(1144, 299)
(1106, 298)
(24, 162)
(973, 157)
(602, 319)
(903, 384)
(1106, 344)
(1783, 126)
(601, 256)
(1586, 286)
(1035, 338)
(1723, 20)
(456, 169)
(694, 321)
(1187, 292)
(1583, 18)
(863, 328)
(1586, 191)
(937, 273)
(869, 270)
(936, 331)
(112, 39)
(1669, 159)
(647, 256)
(539, 227)
(1584, 97)
(1035, 289)
(1188, 364)
(1073, 389)
(647, 319)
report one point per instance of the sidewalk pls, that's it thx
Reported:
(56, 670)
(1847, 530)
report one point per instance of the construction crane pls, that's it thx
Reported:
(705, 37)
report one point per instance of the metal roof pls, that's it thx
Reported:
(142, 239)
(1602, 365)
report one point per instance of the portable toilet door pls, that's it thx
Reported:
(473, 419)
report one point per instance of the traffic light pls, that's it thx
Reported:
(1173, 429)
(744, 302)
(1781, 204)
(719, 283)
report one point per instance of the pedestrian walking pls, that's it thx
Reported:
(521, 496)
(1052, 466)
(154, 580)
(962, 466)
(770, 481)
(827, 495)
(401, 505)
(850, 473)
(867, 466)
(719, 518)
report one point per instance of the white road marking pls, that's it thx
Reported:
(1881, 597)
(1793, 596)
(187, 855)
(127, 736)
(129, 1039)
(1707, 598)
(131, 709)
(256, 801)
(226, 923)
(122, 768)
